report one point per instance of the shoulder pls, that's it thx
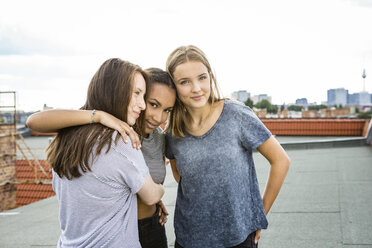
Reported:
(157, 136)
(123, 149)
(238, 109)
(120, 162)
(158, 132)
(235, 105)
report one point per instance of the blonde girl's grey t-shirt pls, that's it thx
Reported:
(218, 200)
(99, 209)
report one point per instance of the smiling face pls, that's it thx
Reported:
(159, 103)
(193, 84)
(137, 103)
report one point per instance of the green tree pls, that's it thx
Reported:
(365, 115)
(265, 104)
(295, 108)
(317, 107)
(273, 109)
(249, 102)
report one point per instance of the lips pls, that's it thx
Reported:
(151, 125)
(197, 98)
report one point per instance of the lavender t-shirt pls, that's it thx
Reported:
(99, 209)
(218, 199)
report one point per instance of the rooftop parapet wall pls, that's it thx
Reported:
(317, 127)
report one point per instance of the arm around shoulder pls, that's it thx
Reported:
(54, 120)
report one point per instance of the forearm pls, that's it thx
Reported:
(158, 192)
(53, 120)
(151, 193)
(275, 181)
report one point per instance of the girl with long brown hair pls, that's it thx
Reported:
(97, 176)
(160, 99)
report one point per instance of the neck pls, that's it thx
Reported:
(199, 115)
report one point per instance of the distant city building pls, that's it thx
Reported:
(364, 98)
(353, 99)
(241, 95)
(337, 96)
(342, 96)
(260, 97)
(361, 98)
(302, 101)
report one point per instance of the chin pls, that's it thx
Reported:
(198, 104)
(131, 122)
(148, 130)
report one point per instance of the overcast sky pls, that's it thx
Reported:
(288, 49)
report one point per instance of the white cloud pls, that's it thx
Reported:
(288, 49)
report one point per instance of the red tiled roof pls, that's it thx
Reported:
(32, 192)
(26, 172)
(321, 127)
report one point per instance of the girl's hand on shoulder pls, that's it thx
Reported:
(122, 127)
(163, 213)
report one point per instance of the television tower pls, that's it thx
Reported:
(364, 80)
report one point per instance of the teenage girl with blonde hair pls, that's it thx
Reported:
(210, 141)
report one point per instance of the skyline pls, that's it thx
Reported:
(287, 49)
(251, 97)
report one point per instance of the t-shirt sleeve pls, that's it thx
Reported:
(133, 169)
(253, 131)
(168, 145)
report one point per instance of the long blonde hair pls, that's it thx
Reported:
(179, 56)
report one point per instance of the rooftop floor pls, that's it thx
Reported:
(325, 202)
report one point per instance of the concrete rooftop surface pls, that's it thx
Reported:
(326, 201)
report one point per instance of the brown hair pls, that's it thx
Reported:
(179, 56)
(157, 76)
(71, 152)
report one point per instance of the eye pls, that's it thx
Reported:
(184, 82)
(137, 93)
(168, 111)
(203, 77)
(154, 105)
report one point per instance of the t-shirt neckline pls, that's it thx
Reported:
(212, 128)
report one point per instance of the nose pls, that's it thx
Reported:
(157, 117)
(195, 87)
(141, 103)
